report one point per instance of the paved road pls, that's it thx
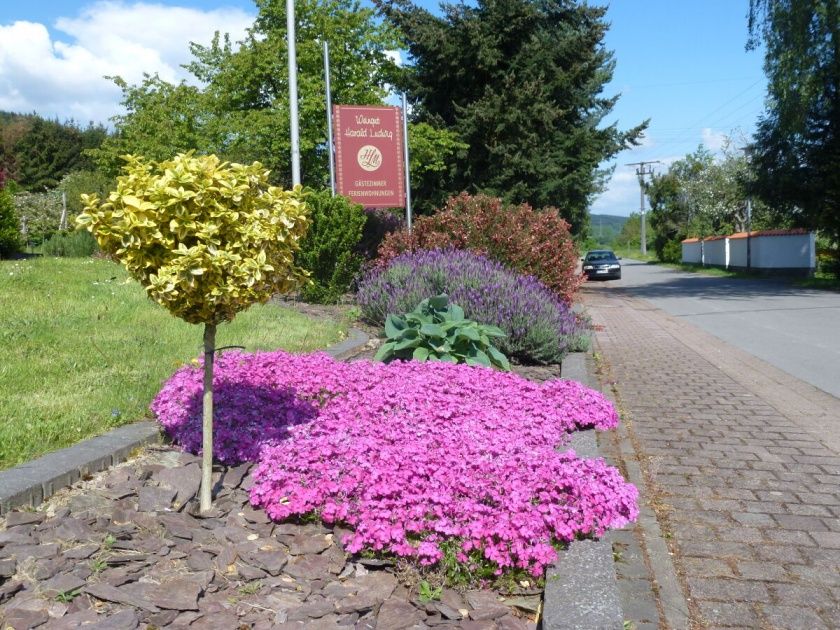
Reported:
(738, 465)
(794, 329)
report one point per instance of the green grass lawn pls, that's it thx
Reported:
(83, 350)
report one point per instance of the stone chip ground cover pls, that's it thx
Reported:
(102, 555)
(418, 460)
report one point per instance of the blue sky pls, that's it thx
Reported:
(680, 63)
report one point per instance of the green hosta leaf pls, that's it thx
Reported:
(493, 331)
(456, 313)
(394, 325)
(418, 319)
(482, 358)
(498, 358)
(384, 352)
(448, 358)
(439, 302)
(469, 333)
(432, 330)
(421, 354)
(406, 343)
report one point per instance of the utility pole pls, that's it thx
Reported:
(641, 171)
(748, 151)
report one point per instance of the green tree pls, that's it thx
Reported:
(161, 120)
(49, 150)
(433, 156)
(241, 112)
(797, 143)
(519, 82)
(12, 128)
(703, 195)
(630, 236)
(206, 240)
(9, 224)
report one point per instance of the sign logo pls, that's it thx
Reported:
(369, 158)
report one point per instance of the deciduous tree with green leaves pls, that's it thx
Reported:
(520, 82)
(703, 195)
(206, 239)
(241, 110)
(797, 143)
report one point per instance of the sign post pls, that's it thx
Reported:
(369, 155)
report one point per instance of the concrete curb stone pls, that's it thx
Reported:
(29, 484)
(581, 589)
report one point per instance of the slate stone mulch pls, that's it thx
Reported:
(128, 549)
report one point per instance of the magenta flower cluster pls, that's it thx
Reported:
(411, 455)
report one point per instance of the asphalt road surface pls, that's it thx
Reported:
(795, 329)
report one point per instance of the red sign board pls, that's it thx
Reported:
(369, 155)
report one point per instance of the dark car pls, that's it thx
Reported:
(601, 264)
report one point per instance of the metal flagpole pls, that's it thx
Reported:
(293, 91)
(407, 175)
(330, 146)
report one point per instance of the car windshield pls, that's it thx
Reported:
(600, 256)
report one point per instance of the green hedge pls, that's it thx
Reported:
(329, 251)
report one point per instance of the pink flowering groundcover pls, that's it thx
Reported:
(417, 459)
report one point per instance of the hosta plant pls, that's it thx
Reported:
(437, 330)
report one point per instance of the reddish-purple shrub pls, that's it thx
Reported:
(533, 242)
(414, 457)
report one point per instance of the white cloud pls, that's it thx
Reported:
(622, 194)
(63, 77)
(714, 140)
(395, 56)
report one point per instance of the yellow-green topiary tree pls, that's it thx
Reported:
(206, 239)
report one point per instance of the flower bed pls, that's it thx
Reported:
(430, 461)
(539, 325)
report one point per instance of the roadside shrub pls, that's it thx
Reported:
(328, 251)
(438, 331)
(10, 242)
(533, 242)
(671, 252)
(70, 245)
(437, 463)
(537, 324)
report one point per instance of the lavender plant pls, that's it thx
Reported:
(538, 326)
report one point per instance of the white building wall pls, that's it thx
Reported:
(691, 252)
(716, 252)
(738, 252)
(789, 251)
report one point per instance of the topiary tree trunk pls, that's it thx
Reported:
(206, 494)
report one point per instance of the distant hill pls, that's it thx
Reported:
(603, 228)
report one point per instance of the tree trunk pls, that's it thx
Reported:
(207, 419)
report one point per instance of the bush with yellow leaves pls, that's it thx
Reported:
(206, 239)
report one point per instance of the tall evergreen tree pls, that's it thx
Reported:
(797, 143)
(520, 82)
(37, 152)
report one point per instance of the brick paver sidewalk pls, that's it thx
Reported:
(739, 467)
